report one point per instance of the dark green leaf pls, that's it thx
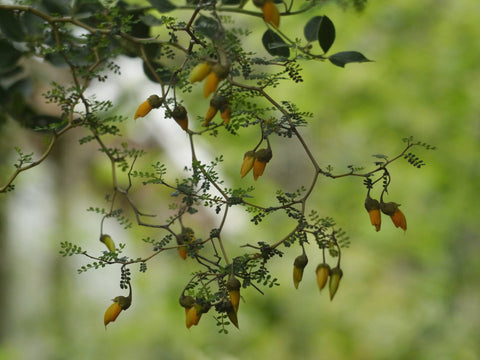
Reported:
(320, 28)
(345, 57)
(274, 44)
(56, 6)
(9, 56)
(162, 5)
(326, 34)
(207, 26)
(10, 26)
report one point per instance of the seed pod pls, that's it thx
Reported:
(247, 165)
(179, 114)
(152, 102)
(323, 272)
(373, 208)
(298, 266)
(271, 15)
(107, 240)
(262, 157)
(218, 73)
(335, 276)
(233, 287)
(200, 72)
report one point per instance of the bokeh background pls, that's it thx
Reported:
(413, 295)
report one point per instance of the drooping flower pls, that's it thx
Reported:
(179, 114)
(233, 287)
(322, 272)
(107, 240)
(262, 157)
(336, 275)
(153, 102)
(398, 218)
(200, 72)
(270, 11)
(119, 303)
(298, 266)
(247, 165)
(218, 73)
(373, 208)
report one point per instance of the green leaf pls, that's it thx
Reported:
(9, 56)
(275, 45)
(10, 26)
(320, 28)
(345, 57)
(207, 26)
(162, 72)
(163, 6)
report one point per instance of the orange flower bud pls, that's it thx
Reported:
(298, 266)
(211, 112)
(179, 114)
(187, 236)
(152, 102)
(391, 209)
(193, 315)
(323, 272)
(218, 73)
(262, 157)
(233, 287)
(107, 240)
(247, 165)
(271, 15)
(373, 208)
(199, 72)
(119, 303)
(335, 276)
(225, 114)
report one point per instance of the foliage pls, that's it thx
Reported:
(180, 45)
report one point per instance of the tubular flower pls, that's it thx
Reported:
(335, 276)
(218, 102)
(179, 114)
(262, 157)
(271, 15)
(218, 73)
(187, 236)
(225, 115)
(232, 314)
(119, 303)
(200, 72)
(323, 272)
(194, 312)
(247, 165)
(391, 209)
(298, 266)
(373, 208)
(107, 240)
(233, 287)
(152, 102)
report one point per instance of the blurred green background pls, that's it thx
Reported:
(413, 295)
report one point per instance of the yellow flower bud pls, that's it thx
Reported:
(218, 73)
(335, 276)
(298, 266)
(247, 165)
(119, 303)
(199, 72)
(211, 112)
(233, 287)
(153, 102)
(225, 115)
(232, 314)
(107, 240)
(323, 272)
(271, 15)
